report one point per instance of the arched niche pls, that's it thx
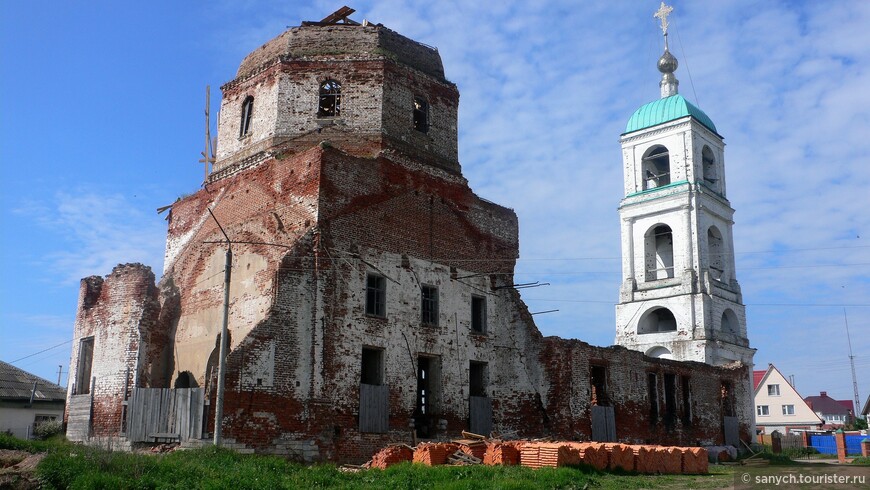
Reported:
(657, 320)
(659, 352)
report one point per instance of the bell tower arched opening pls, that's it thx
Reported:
(730, 323)
(659, 253)
(657, 320)
(656, 167)
(708, 166)
(715, 254)
(659, 352)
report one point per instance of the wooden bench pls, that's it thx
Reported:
(165, 437)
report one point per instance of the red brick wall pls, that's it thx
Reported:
(120, 313)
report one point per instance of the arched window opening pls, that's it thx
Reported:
(715, 254)
(656, 168)
(659, 352)
(657, 320)
(247, 113)
(421, 115)
(708, 166)
(659, 253)
(330, 99)
(729, 322)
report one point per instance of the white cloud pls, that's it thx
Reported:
(94, 232)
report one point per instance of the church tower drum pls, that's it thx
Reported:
(680, 297)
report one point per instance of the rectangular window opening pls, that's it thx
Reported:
(727, 399)
(429, 305)
(788, 409)
(653, 393)
(687, 401)
(83, 370)
(372, 369)
(478, 314)
(670, 399)
(428, 379)
(376, 295)
(598, 383)
(762, 410)
(477, 378)
(421, 115)
(773, 390)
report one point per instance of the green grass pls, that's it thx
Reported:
(68, 465)
(11, 442)
(861, 461)
(72, 466)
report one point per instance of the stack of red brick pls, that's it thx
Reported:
(549, 455)
(602, 456)
(391, 455)
(501, 453)
(620, 456)
(592, 453)
(434, 453)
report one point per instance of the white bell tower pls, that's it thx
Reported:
(680, 298)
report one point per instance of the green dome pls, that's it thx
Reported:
(664, 110)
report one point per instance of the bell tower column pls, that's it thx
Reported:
(680, 297)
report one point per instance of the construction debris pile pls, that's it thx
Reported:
(477, 449)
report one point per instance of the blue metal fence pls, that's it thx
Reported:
(825, 443)
(853, 444)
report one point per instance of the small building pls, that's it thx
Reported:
(834, 413)
(26, 400)
(865, 412)
(778, 406)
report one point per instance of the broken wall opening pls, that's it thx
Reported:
(428, 387)
(480, 405)
(85, 364)
(374, 410)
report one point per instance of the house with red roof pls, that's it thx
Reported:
(778, 405)
(835, 413)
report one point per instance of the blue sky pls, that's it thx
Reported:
(101, 122)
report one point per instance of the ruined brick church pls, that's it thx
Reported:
(372, 297)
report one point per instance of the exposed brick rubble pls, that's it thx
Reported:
(315, 207)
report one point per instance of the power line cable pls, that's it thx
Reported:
(40, 352)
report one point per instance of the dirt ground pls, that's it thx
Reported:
(18, 469)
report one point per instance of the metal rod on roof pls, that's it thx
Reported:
(32, 394)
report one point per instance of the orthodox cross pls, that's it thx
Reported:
(662, 13)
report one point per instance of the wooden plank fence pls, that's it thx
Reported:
(165, 411)
(603, 424)
(374, 408)
(79, 422)
(732, 433)
(481, 415)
